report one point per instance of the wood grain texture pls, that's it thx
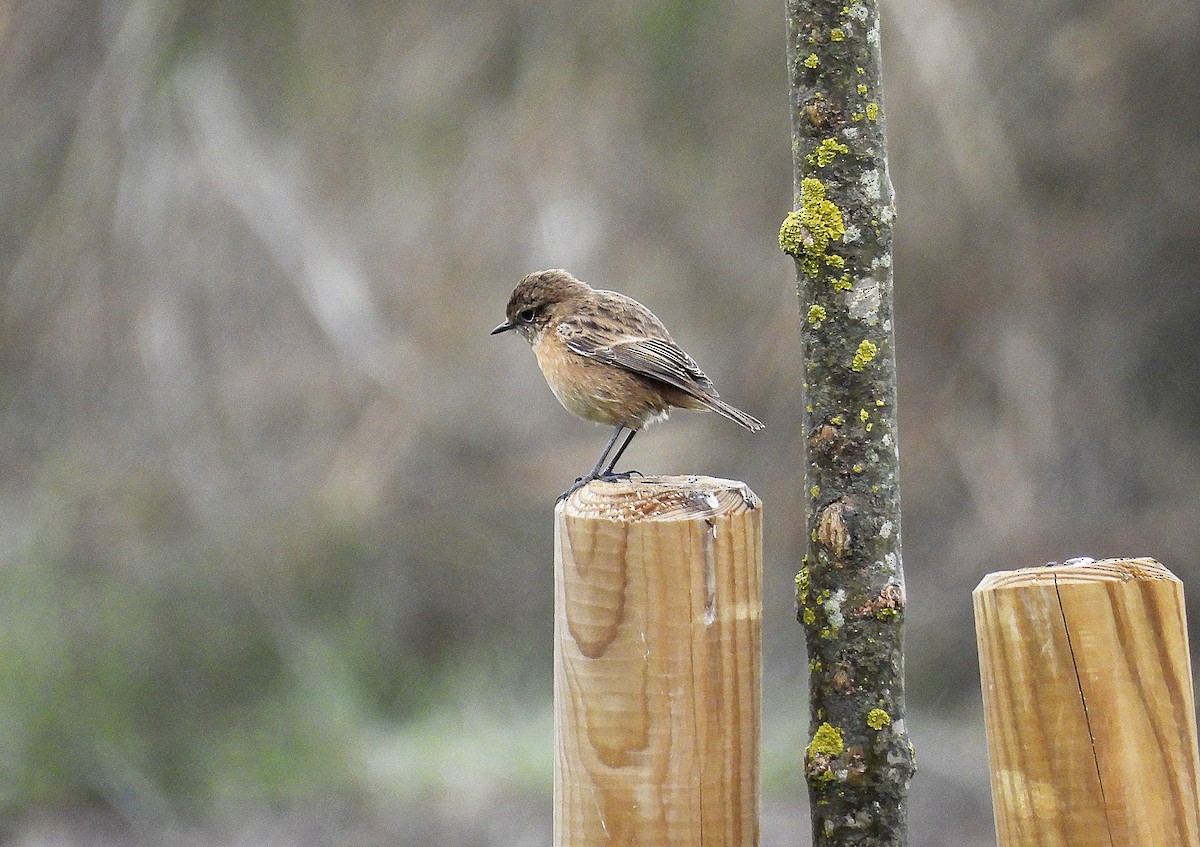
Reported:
(1087, 692)
(657, 663)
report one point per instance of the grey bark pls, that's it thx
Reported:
(850, 589)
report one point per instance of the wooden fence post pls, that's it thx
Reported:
(657, 664)
(1087, 692)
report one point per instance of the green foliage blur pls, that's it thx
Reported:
(275, 530)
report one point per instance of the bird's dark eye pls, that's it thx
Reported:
(526, 315)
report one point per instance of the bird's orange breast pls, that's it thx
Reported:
(598, 391)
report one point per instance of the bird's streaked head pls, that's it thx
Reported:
(538, 299)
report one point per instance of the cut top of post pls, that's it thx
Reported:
(1077, 571)
(660, 498)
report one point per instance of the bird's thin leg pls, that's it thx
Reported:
(609, 470)
(594, 473)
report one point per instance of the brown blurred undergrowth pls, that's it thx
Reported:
(271, 495)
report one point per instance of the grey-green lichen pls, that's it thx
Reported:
(832, 604)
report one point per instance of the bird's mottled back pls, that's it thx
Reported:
(622, 316)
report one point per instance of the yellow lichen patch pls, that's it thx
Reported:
(802, 584)
(823, 222)
(816, 314)
(793, 237)
(862, 89)
(811, 60)
(878, 719)
(837, 34)
(825, 152)
(822, 753)
(826, 741)
(865, 354)
(872, 111)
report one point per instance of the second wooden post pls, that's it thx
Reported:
(657, 664)
(1087, 693)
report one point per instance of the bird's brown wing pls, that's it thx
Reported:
(658, 358)
(622, 332)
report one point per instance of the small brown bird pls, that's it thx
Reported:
(608, 359)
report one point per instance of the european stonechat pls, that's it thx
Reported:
(608, 359)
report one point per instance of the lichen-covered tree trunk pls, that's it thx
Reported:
(850, 588)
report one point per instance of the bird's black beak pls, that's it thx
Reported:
(504, 327)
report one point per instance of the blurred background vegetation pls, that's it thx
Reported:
(275, 523)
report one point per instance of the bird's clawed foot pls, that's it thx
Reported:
(580, 482)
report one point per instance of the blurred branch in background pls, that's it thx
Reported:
(260, 461)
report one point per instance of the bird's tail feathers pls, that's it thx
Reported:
(734, 414)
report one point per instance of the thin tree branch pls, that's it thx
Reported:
(850, 589)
